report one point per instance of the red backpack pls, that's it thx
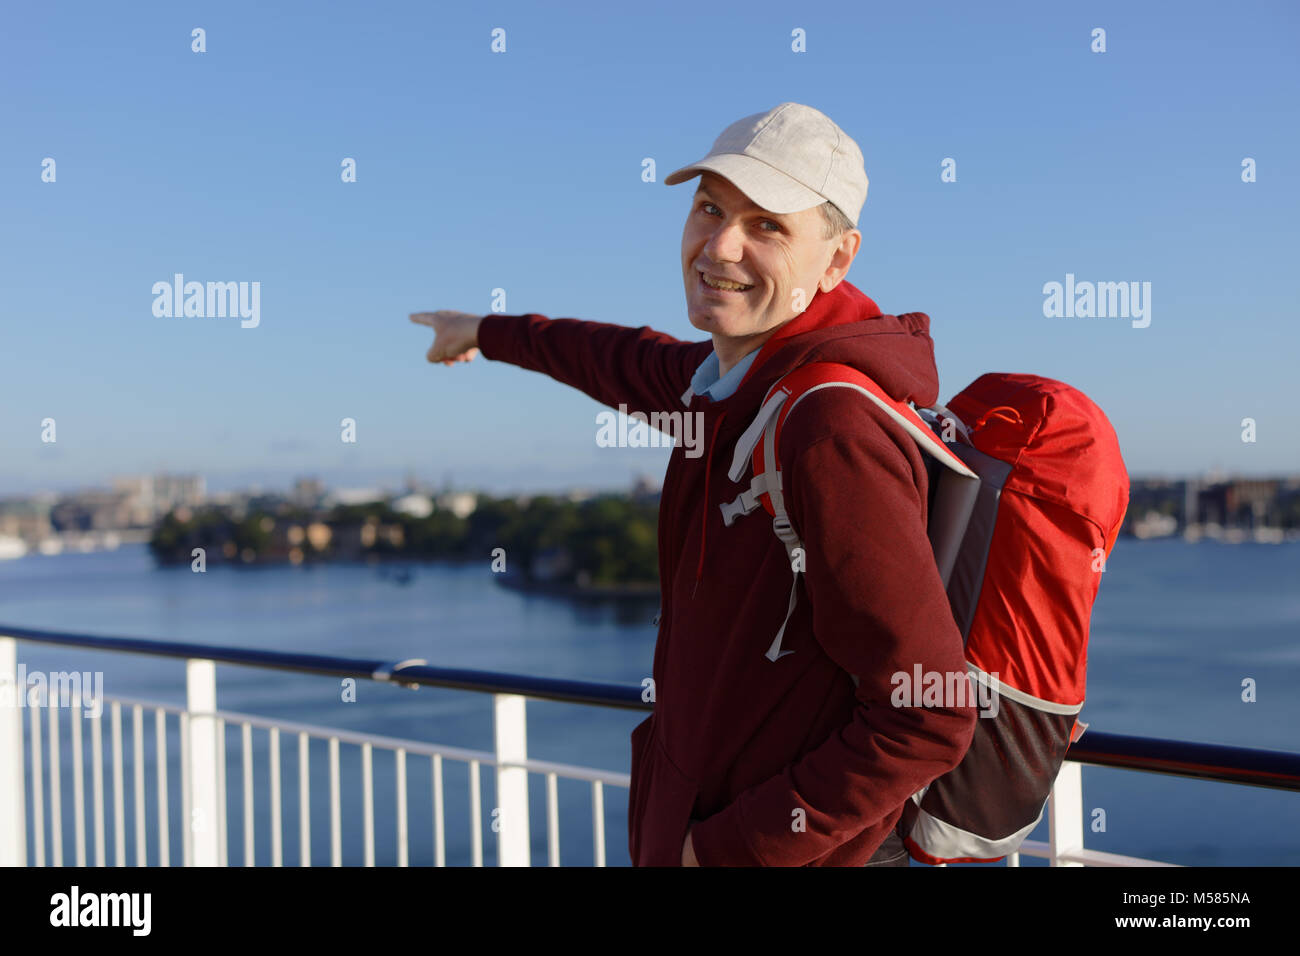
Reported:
(1027, 495)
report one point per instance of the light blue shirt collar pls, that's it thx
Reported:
(705, 381)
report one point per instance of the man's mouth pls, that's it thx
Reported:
(722, 285)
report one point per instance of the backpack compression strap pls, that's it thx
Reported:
(759, 444)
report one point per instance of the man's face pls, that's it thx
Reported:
(727, 236)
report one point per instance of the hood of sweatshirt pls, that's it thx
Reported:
(846, 326)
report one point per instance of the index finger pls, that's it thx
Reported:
(423, 318)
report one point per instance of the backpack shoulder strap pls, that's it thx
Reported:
(757, 446)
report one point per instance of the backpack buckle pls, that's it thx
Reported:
(747, 500)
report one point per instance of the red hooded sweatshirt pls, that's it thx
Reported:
(779, 763)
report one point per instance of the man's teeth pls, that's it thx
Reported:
(724, 284)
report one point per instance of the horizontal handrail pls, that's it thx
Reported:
(1273, 769)
(542, 688)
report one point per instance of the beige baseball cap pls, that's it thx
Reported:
(788, 159)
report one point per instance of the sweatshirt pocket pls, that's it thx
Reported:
(665, 810)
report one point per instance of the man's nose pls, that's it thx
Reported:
(726, 244)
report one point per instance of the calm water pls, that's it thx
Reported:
(1176, 629)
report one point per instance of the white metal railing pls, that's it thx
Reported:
(204, 795)
(205, 798)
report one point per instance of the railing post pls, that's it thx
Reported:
(201, 702)
(1065, 813)
(511, 820)
(13, 781)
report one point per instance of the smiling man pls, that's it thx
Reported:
(754, 755)
(742, 307)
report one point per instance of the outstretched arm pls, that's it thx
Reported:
(643, 369)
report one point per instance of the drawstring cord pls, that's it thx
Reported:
(704, 520)
(1013, 418)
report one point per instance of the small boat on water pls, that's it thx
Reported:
(11, 547)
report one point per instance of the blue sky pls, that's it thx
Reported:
(522, 171)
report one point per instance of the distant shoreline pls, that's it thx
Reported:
(642, 591)
(392, 564)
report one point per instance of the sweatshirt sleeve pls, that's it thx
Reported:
(646, 370)
(878, 609)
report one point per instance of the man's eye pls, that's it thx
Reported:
(710, 209)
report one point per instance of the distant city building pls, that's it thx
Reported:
(98, 510)
(172, 490)
(307, 492)
(138, 501)
(645, 487)
(459, 503)
(353, 496)
(415, 505)
(25, 518)
(318, 535)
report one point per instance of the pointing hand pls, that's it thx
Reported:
(456, 335)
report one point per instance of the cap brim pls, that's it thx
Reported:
(763, 184)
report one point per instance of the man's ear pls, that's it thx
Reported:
(841, 259)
